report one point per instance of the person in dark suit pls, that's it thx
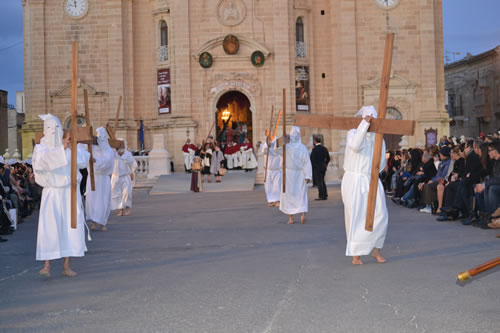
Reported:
(320, 157)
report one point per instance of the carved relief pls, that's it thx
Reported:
(233, 81)
(231, 12)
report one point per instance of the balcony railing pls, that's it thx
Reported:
(301, 49)
(163, 53)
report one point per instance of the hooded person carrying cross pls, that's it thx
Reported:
(52, 168)
(355, 186)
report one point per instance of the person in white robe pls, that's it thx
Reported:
(355, 187)
(272, 185)
(122, 181)
(98, 202)
(52, 169)
(248, 160)
(298, 175)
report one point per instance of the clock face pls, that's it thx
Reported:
(387, 4)
(76, 8)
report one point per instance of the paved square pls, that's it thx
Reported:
(224, 262)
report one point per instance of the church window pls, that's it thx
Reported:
(300, 41)
(163, 55)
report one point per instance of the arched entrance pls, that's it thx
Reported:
(233, 112)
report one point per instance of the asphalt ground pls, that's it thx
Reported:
(224, 262)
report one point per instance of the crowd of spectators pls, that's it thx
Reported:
(456, 180)
(19, 194)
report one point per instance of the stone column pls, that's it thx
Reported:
(159, 158)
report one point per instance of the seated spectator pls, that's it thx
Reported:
(428, 190)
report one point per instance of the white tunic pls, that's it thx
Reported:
(121, 183)
(355, 188)
(98, 203)
(248, 160)
(56, 239)
(273, 180)
(298, 169)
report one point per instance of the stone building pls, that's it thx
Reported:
(182, 65)
(473, 87)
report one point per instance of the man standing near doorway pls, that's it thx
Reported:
(320, 157)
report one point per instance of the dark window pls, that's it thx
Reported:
(300, 30)
(164, 33)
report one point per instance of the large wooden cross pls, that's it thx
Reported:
(113, 141)
(380, 126)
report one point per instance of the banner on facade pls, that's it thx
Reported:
(302, 88)
(164, 95)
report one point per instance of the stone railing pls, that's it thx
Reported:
(163, 53)
(142, 170)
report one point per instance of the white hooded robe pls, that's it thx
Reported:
(52, 168)
(298, 169)
(272, 185)
(121, 183)
(355, 187)
(98, 203)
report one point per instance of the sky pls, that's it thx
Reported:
(470, 26)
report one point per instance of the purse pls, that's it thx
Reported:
(222, 171)
(196, 166)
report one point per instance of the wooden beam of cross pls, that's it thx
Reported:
(380, 126)
(224, 127)
(74, 96)
(113, 141)
(284, 144)
(89, 145)
(268, 142)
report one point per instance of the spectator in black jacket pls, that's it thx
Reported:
(489, 191)
(320, 157)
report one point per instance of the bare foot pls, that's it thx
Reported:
(303, 219)
(377, 255)
(120, 213)
(68, 272)
(94, 226)
(45, 272)
(103, 228)
(356, 261)
(127, 211)
(290, 221)
(277, 204)
(271, 204)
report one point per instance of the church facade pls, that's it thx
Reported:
(184, 67)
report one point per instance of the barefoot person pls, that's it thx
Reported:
(355, 186)
(298, 175)
(52, 168)
(98, 202)
(122, 181)
(273, 180)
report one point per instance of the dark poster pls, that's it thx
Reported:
(164, 95)
(302, 88)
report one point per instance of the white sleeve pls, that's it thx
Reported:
(355, 137)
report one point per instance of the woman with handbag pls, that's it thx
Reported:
(206, 157)
(216, 167)
(196, 184)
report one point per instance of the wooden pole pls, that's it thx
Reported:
(115, 127)
(377, 150)
(74, 96)
(87, 120)
(283, 180)
(464, 276)
(211, 128)
(276, 126)
(268, 140)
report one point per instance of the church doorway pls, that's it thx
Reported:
(234, 118)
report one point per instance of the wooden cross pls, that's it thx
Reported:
(224, 127)
(113, 141)
(270, 136)
(380, 126)
(268, 142)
